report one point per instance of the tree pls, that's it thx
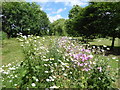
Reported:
(58, 27)
(23, 17)
(98, 18)
(109, 19)
(73, 13)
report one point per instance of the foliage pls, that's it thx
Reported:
(58, 28)
(70, 23)
(96, 19)
(74, 11)
(23, 17)
(61, 63)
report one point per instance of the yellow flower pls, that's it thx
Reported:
(51, 58)
(83, 77)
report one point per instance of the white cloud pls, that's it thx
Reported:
(40, 0)
(75, 2)
(67, 2)
(54, 18)
(65, 8)
(59, 11)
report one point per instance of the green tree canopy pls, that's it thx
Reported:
(23, 17)
(71, 23)
(98, 18)
(58, 27)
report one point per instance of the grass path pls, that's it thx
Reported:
(11, 51)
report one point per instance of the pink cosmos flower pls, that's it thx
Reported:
(86, 69)
(82, 49)
(87, 51)
(81, 64)
(100, 69)
(90, 56)
(85, 63)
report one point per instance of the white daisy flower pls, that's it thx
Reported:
(33, 84)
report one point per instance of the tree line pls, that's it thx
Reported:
(98, 19)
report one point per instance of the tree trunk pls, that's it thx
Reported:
(113, 41)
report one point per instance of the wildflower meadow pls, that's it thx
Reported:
(60, 63)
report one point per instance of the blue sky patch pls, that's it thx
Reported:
(56, 10)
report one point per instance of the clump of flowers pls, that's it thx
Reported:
(80, 56)
(58, 62)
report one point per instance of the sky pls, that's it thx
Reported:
(56, 9)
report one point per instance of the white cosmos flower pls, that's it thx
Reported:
(65, 74)
(55, 64)
(9, 64)
(70, 72)
(93, 46)
(104, 46)
(52, 70)
(15, 75)
(5, 72)
(38, 37)
(46, 71)
(53, 76)
(37, 80)
(51, 58)
(22, 45)
(10, 81)
(28, 35)
(47, 80)
(12, 68)
(45, 65)
(1, 70)
(114, 58)
(45, 57)
(52, 79)
(33, 84)
(15, 84)
(63, 68)
(102, 50)
(108, 48)
(3, 66)
(54, 86)
(26, 42)
(94, 63)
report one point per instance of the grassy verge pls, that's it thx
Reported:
(11, 51)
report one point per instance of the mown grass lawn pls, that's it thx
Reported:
(11, 51)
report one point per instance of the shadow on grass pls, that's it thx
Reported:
(115, 51)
